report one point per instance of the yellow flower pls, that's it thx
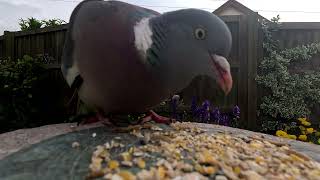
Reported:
(309, 130)
(305, 123)
(292, 136)
(302, 119)
(317, 133)
(302, 128)
(285, 136)
(303, 132)
(281, 133)
(303, 137)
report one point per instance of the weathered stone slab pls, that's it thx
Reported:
(13, 141)
(54, 158)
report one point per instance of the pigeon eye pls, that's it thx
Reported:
(200, 33)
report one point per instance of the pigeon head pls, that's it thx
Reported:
(190, 42)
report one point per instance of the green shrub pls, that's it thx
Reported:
(17, 79)
(30, 24)
(32, 95)
(33, 23)
(53, 22)
(291, 94)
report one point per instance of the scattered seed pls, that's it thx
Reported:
(126, 175)
(186, 152)
(126, 156)
(75, 145)
(94, 134)
(141, 163)
(113, 164)
(221, 177)
(127, 163)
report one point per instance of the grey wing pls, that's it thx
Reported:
(69, 63)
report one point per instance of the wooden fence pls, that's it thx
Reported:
(246, 54)
(45, 41)
(292, 34)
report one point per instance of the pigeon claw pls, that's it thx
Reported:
(98, 117)
(157, 118)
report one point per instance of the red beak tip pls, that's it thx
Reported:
(226, 84)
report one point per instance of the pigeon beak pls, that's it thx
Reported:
(221, 68)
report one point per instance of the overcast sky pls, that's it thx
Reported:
(290, 10)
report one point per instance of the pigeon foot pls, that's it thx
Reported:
(93, 118)
(120, 122)
(157, 118)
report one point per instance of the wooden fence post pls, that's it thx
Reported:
(9, 44)
(253, 56)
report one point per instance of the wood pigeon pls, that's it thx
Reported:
(123, 58)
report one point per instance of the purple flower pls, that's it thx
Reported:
(225, 120)
(206, 104)
(174, 104)
(210, 114)
(216, 115)
(206, 111)
(198, 112)
(236, 111)
(194, 105)
(201, 113)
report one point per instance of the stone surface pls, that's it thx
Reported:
(14, 141)
(55, 158)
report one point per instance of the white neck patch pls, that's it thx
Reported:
(72, 73)
(143, 36)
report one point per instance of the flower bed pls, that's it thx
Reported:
(301, 130)
(204, 112)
